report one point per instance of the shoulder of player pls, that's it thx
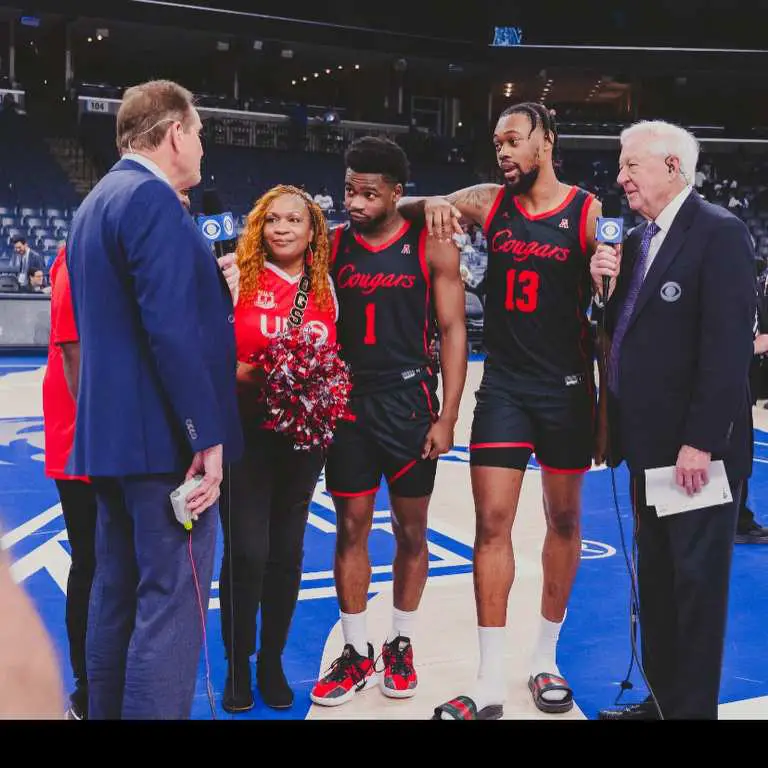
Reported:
(594, 207)
(591, 207)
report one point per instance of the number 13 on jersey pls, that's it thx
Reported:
(522, 291)
(370, 324)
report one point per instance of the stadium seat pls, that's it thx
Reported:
(12, 232)
(8, 283)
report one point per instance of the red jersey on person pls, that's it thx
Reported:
(262, 317)
(58, 406)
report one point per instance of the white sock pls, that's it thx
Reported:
(355, 630)
(491, 684)
(403, 624)
(544, 657)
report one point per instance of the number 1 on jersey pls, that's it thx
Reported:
(370, 324)
(528, 300)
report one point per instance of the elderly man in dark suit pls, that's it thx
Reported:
(680, 321)
(156, 405)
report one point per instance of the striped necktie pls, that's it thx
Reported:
(629, 304)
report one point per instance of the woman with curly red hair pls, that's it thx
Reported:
(265, 496)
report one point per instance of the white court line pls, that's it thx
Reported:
(746, 709)
(28, 528)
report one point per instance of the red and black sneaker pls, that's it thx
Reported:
(348, 674)
(398, 680)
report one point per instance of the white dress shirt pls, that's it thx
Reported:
(148, 164)
(664, 222)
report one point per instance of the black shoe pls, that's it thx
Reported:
(78, 705)
(754, 534)
(238, 696)
(644, 710)
(273, 686)
(73, 713)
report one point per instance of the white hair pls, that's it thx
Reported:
(667, 139)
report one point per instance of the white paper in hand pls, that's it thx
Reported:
(662, 492)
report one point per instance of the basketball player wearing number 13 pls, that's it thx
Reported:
(536, 395)
(389, 275)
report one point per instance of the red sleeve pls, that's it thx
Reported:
(63, 327)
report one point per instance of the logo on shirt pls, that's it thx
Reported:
(671, 291)
(265, 300)
(349, 277)
(272, 326)
(406, 249)
(505, 242)
(563, 223)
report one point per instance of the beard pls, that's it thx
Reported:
(370, 226)
(524, 182)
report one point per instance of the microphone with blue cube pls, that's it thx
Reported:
(217, 225)
(610, 230)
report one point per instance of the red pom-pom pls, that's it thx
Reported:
(307, 387)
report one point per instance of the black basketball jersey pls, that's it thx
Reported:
(385, 306)
(538, 287)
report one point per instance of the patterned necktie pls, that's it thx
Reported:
(629, 304)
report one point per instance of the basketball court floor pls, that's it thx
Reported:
(594, 652)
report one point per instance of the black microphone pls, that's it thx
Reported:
(610, 229)
(216, 224)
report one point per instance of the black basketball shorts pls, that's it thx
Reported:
(516, 417)
(385, 436)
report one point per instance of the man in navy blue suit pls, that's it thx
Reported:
(680, 322)
(155, 406)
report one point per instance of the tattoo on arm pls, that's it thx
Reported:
(475, 202)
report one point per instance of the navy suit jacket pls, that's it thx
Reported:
(35, 262)
(157, 343)
(685, 357)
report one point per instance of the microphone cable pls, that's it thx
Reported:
(631, 563)
(203, 613)
(231, 573)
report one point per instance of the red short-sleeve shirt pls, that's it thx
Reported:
(58, 405)
(262, 317)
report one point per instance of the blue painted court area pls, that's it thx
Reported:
(595, 646)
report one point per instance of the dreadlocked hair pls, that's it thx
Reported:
(252, 255)
(538, 114)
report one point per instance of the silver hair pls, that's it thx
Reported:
(667, 139)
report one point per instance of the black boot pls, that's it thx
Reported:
(273, 686)
(238, 696)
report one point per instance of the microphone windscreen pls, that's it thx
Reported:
(212, 203)
(612, 206)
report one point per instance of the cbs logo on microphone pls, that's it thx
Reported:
(218, 227)
(609, 230)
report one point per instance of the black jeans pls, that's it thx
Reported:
(264, 506)
(78, 503)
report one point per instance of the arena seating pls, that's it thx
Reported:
(37, 200)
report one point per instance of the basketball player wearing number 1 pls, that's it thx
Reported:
(389, 275)
(536, 395)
